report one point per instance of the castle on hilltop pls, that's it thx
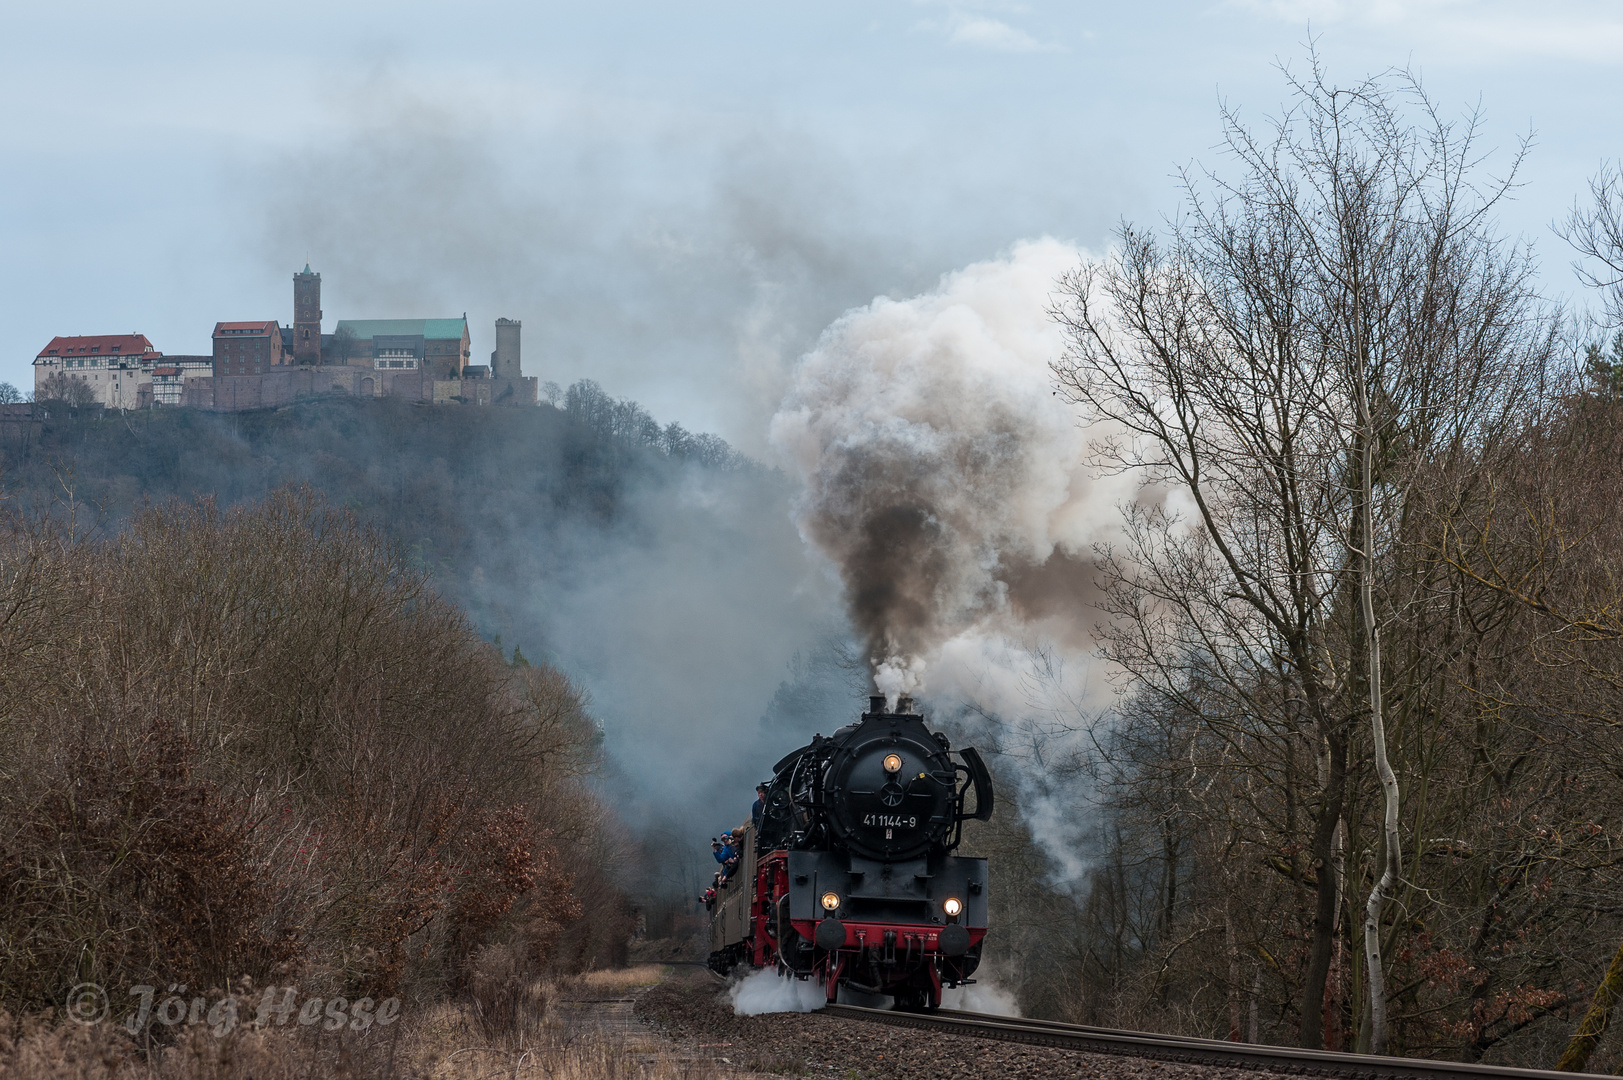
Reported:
(259, 363)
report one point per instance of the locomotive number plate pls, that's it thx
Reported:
(891, 821)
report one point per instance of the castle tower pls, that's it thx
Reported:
(307, 317)
(504, 362)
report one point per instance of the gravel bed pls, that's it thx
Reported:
(693, 1011)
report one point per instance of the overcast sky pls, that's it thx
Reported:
(675, 198)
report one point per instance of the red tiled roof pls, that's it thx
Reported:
(98, 345)
(166, 371)
(237, 328)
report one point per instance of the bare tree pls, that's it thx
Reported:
(1307, 340)
(345, 345)
(71, 390)
(1596, 232)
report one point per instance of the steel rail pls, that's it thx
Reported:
(1190, 1051)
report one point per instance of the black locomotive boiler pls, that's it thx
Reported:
(852, 879)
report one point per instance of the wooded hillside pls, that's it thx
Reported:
(455, 487)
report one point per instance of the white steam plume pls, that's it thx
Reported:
(943, 478)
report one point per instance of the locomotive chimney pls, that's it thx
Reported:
(876, 704)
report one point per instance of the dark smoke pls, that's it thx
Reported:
(893, 575)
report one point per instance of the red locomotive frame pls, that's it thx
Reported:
(917, 945)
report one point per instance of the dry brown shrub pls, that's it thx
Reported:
(33, 1048)
(508, 1000)
(254, 742)
(443, 1041)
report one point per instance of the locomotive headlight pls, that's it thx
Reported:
(952, 906)
(893, 763)
(831, 900)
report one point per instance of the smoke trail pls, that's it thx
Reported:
(942, 477)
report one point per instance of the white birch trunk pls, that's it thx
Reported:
(1392, 868)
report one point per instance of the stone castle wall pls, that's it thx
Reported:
(235, 393)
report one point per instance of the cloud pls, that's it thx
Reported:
(1483, 29)
(993, 35)
(968, 25)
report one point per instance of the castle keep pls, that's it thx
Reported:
(258, 364)
(306, 342)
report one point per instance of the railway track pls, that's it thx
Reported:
(1189, 1051)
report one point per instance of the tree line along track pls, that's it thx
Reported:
(1190, 1051)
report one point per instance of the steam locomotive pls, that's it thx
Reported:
(851, 878)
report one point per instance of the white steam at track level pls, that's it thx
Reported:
(981, 997)
(768, 992)
(943, 479)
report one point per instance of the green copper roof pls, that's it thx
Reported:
(431, 329)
